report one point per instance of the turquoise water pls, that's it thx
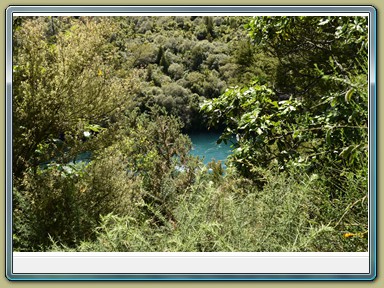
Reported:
(204, 145)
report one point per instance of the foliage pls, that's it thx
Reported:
(315, 120)
(138, 174)
(330, 127)
(300, 43)
(233, 215)
(62, 84)
(65, 95)
(101, 163)
(188, 51)
(268, 130)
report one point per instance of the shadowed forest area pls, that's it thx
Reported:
(102, 110)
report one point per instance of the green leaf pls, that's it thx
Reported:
(348, 95)
(328, 137)
(346, 151)
(295, 134)
(94, 127)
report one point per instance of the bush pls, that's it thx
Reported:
(60, 83)
(290, 214)
(176, 71)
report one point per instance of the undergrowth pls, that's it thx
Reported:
(291, 213)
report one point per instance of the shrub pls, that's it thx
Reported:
(176, 71)
(290, 214)
(60, 83)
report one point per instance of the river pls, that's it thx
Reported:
(204, 145)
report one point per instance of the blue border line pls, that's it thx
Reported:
(374, 107)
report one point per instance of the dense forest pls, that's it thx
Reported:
(102, 109)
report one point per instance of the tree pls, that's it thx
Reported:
(327, 125)
(154, 151)
(63, 85)
(319, 130)
(300, 43)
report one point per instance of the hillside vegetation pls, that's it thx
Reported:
(126, 91)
